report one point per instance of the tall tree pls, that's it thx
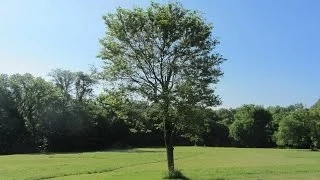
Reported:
(163, 54)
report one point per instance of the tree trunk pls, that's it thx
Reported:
(168, 133)
(169, 149)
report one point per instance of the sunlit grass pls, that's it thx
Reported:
(146, 163)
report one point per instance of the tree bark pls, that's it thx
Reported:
(168, 132)
(169, 149)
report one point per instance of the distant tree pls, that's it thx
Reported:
(297, 106)
(315, 129)
(73, 89)
(316, 108)
(32, 97)
(162, 54)
(199, 118)
(295, 130)
(138, 115)
(216, 127)
(64, 80)
(11, 123)
(84, 85)
(225, 116)
(251, 126)
(278, 114)
(73, 84)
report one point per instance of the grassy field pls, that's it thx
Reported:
(146, 163)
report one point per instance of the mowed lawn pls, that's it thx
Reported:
(148, 163)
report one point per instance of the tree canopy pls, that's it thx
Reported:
(163, 54)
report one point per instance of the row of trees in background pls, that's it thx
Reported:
(63, 115)
(60, 115)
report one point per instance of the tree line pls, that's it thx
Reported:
(64, 115)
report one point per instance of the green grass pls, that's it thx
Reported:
(146, 163)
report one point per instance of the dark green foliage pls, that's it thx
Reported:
(299, 129)
(251, 127)
(216, 134)
(315, 131)
(12, 126)
(37, 116)
(225, 116)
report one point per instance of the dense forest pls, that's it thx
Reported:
(63, 114)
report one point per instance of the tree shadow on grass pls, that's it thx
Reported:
(135, 151)
(177, 175)
(128, 150)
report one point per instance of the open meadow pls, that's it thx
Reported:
(150, 163)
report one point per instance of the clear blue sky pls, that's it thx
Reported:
(272, 47)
